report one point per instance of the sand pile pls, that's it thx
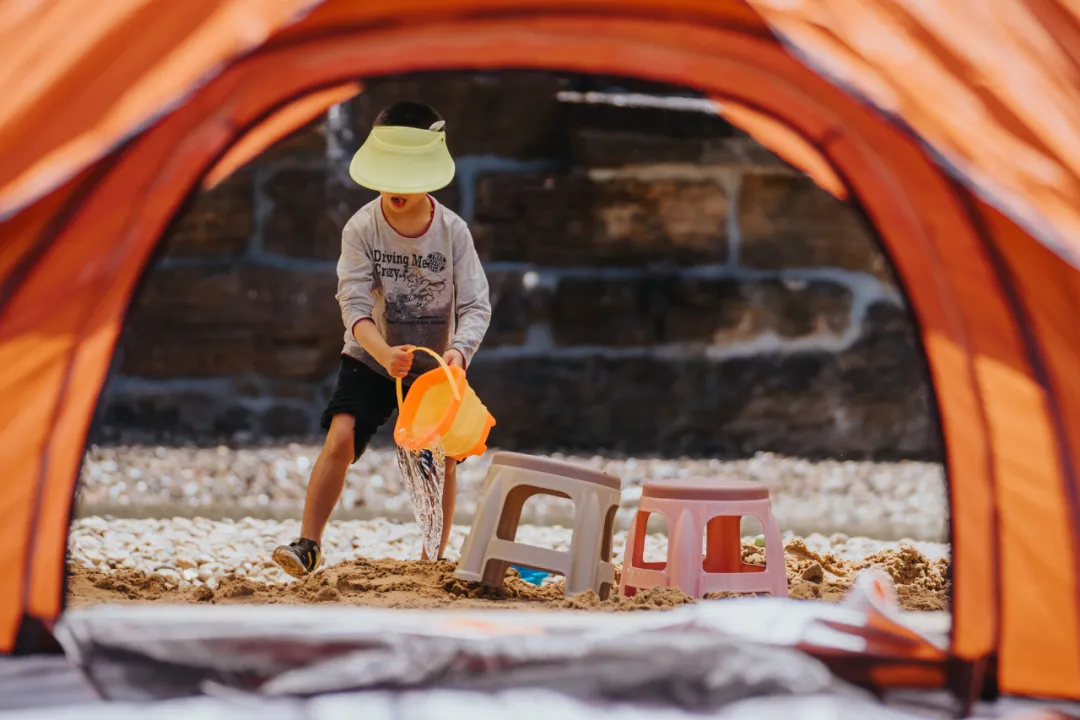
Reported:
(922, 584)
(373, 582)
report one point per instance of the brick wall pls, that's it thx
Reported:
(660, 283)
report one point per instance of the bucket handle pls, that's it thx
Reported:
(446, 369)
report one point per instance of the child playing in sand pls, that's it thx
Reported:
(408, 276)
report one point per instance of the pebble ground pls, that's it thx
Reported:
(889, 501)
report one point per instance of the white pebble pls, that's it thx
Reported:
(888, 500)
(170, 575)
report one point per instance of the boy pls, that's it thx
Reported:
(408, 276)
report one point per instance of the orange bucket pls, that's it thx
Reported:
(442, 405)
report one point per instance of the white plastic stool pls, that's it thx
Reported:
(513, 478)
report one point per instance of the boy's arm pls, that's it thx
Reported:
(356, 281)
(473, 306)
(396, 360)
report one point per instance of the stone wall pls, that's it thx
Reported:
(660, 283)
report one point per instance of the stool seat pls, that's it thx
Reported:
(704, 489)
(554, 467)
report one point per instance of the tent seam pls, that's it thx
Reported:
(1036, 362)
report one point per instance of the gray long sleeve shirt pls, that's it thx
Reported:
(429, 291)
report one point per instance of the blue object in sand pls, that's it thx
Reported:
(533, 577)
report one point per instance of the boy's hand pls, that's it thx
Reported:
(454, 357)
(397, 361)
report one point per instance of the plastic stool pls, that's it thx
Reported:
(712, 509)
(513, 478)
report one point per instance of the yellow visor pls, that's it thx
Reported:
(403, 160)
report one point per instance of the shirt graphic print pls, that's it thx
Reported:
(429, 291)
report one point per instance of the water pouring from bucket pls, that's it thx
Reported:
(424, 473)
(441, 417)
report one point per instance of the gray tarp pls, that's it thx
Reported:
(462, 705)
(705, 655)
(677, 657)
(737, 659)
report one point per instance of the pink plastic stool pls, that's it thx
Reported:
(711, 509)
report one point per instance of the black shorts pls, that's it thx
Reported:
(369, 397)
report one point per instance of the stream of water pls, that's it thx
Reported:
(425, 476)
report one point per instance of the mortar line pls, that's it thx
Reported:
(733, 188)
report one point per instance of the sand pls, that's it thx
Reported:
(921, 583)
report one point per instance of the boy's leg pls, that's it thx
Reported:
(328, 477)
(362, 401)
(304, 554)
(449, 501)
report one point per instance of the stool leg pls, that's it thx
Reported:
(684, 554)
(471, 565)
(494, 571)
(775, 564)
(723, 546)
(606, 573)
(585, 545)
(634, 551)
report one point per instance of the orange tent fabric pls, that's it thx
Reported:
(949, 124)
(277, 126)
(82, 77)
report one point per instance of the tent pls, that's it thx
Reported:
(952, 125)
